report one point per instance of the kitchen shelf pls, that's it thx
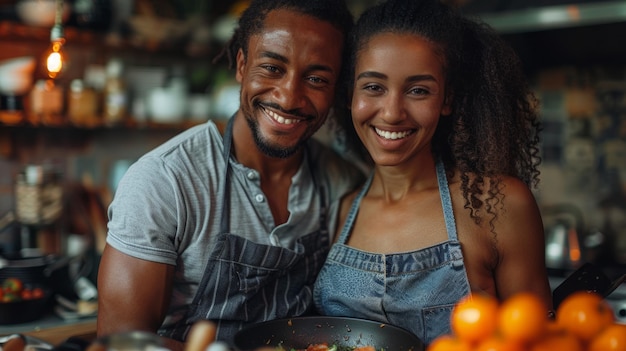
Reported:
(16, 32)
(24, 138)
(10, 30)
(128, 125)
(556, 17)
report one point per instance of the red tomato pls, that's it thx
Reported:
(317, 347)
(10, 297)
(14, 285)
(38, 293)
(26, 294)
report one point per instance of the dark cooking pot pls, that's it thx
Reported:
(31, 271)
(300, 332)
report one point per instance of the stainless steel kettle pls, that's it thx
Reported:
(563, 234)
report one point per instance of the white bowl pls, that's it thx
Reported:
(166, 106)
(18, 64)
(16, 75)
(40, 13)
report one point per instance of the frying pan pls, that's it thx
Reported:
(300, 332)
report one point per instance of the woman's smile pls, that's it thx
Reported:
(393, 135)
(398, 97)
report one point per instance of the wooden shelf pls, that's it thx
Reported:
(11, 31)
(15, 31)
(127, 125)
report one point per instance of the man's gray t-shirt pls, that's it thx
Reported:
(166, 205)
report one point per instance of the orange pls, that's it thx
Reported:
(557, 342)
(498, 343)
(449, 342)
(584, 314)
(523, 317)
(611, 338)
(553, 327)
(475, 317)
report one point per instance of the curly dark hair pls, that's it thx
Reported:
(493, 130)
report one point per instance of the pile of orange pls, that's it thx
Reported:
(584, 321)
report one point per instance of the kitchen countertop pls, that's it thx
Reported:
(54, 329)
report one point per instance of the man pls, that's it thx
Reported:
(235, 229)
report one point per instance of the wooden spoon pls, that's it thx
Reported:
(201, 335)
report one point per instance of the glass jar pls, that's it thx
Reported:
(82, 104)
(129, 341)
(114, 94)
(11, 109)
(46, 103)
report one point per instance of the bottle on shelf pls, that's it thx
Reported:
(115, 94)
(46, 103)
(11, 109)
(82, 104)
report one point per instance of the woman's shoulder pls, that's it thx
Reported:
(502, 186)
(516, 191)
(500, 200)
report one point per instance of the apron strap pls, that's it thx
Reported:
(228, 142)
(446, 200)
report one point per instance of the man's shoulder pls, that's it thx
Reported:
(198, 138)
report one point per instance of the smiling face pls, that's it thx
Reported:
(398, 98)
(288, 80)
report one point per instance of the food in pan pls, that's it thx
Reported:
(333, 347)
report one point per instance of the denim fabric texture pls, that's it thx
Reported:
(413, 290)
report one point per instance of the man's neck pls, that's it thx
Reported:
(248, 154)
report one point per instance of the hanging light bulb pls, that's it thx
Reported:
(55, 60)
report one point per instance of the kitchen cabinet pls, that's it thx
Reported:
(558, 16)
(565, 33)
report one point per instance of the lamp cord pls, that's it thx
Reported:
(59, 13)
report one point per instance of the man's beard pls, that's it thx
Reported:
(268, 149)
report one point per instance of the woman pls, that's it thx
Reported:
(441, 106)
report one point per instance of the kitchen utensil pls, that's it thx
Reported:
(30, 270)
(32, 343)
(300, 332)
(588, 277)
(23, 311)
(132, 341)
(564, 247)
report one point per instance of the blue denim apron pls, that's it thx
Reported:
(247, 282)
(415, 290)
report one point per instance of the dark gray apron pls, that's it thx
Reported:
(247, 282)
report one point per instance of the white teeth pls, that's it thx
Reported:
(280, 119)
(392, 135)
